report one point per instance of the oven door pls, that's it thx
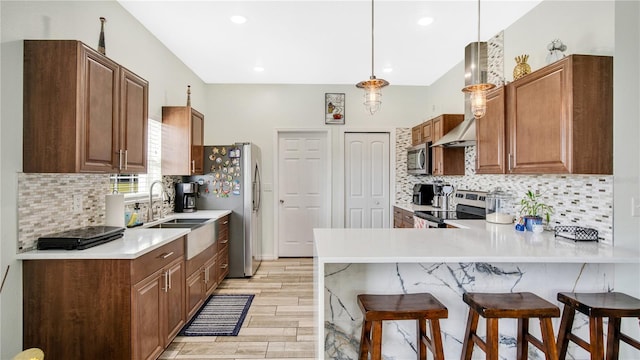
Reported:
(420, 223)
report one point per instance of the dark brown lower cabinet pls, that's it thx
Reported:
(105, 308)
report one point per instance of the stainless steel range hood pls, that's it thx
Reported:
(465, 133)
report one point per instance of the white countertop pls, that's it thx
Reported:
(492, 243)
(135, 242)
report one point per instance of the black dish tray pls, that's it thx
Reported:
(576, 233)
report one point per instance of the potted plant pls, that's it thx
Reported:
(532, 209)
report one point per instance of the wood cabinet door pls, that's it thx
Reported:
(134, 99)
(174, 301)
(194, 293)
(437, 152)
(491, 135)
(539, 121)
(197, 143)
(427, 128)
(148, 312)
(210, 276)
(223, 264)
(99, 79)
(416, 135)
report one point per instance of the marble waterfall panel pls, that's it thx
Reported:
(448, 281)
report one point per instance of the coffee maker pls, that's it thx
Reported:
(422, 194)
(185, 200)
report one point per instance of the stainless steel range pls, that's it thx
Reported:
(470, 205)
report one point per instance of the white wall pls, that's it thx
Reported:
(127, 43)
(254, 113)
(626, 162)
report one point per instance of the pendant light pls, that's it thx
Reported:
(478, 91)
(372, 87)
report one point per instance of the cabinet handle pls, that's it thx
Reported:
(224, 266)
(169, 277)
(193, 166)
(225, 223)
(119, 159)
(166, 255)
(225, 241)
(166, 281)
(509, 162)
(126, 159)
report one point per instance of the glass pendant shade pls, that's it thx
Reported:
(478, 98)
(372, 87)
(372, 93)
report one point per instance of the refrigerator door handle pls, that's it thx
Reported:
(256, 189)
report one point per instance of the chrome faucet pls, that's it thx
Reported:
(162, 199)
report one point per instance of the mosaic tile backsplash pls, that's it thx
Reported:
(45, 203)
(582, 200)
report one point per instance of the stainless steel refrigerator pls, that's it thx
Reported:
(232, 182)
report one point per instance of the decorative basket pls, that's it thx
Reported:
(576, 233)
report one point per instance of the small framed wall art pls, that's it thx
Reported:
(334, 108)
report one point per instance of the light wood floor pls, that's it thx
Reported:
(279, 324)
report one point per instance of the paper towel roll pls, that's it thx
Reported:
(114, 205)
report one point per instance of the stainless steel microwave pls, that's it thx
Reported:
(419, 159)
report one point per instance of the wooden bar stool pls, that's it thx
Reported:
(596, 306)
(521, 306)
(420, 307)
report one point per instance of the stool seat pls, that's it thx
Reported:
(401, 307)
(521, 306)
(602, 304)
(612, 305)
(510, 305)
(424, 308)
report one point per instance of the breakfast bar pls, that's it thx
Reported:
(482, 257)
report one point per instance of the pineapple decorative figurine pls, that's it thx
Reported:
(522, 68)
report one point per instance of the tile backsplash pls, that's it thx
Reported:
(582, 200)
(45, 203)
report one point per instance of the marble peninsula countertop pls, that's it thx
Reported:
(474, 241)
(135, 242)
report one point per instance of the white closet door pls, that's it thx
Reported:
(367, 180)
(303, 190)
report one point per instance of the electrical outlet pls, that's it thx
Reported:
(77, 204)
(635, 207)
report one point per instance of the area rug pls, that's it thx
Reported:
(221, 315)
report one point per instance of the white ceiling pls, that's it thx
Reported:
(321, 42)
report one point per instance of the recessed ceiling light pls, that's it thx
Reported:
(238, 19)
(258, 69)
(388, 69)
(425, 21)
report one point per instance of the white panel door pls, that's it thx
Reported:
(303, 189)
(367, 180)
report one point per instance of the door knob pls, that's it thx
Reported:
(281, 201)
(377, 202)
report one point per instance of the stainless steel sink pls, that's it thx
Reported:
(186, 221)
(201, 236)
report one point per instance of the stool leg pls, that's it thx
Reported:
(376, 340)
(436, 340)
(364, 340)
(421, 347)
(566, 325)
(613, 338)
(492, 339)
(596, 342)
(548, 340)
(467, 344)
(522, 344)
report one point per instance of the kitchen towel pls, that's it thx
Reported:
(114, 209)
